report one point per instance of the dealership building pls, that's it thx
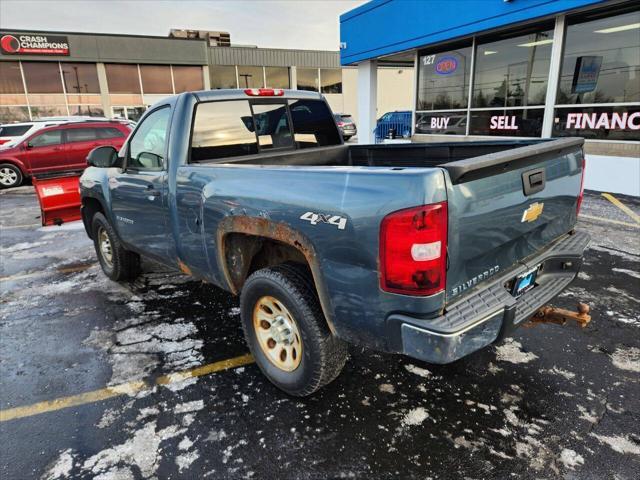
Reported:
(512, 69)
(44, 74)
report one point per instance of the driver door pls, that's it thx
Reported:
(139, 190)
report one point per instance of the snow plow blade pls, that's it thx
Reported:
(59, 197)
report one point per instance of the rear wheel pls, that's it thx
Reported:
(117, 262)
(286, 330)
(10, 176)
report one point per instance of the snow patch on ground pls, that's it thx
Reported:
(627, 359)
(628, 272)
(422, 372)
(415, 417)
(559, 371)
(141, 450)
(18, 247)
(571, 459)
(387, 388)
(511, 351)
(618, 443)
(187, 407)
(62, 467)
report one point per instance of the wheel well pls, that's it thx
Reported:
(11, 162)
(90, 206)
(244, 254)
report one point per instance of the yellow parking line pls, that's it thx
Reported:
(122, 389)
(622, 207)
(608, 220)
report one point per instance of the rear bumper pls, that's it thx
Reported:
(491, 312)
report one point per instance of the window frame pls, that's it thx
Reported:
(67, 129)
(126, 167)
(549, 107)
(225, 160)
(40, 133)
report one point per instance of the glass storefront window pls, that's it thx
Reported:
(308, 79)
(14, 114)
(507, 123)
(513, 72)
(122, 78)
(42, 77)
(250, 77)
(80, 77)
(442, 123)
(41, 111)
(599, 123)
(277, 77)
(223, 76)
(86, 110)
(10, 78)
(443, 79)
(187, 79)
(331, 79)
(156, 79)
(601, 62)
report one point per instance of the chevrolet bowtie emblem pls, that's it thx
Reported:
(532, 213)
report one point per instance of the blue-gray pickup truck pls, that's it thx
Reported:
(431, 250)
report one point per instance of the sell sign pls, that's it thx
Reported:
(33, 44)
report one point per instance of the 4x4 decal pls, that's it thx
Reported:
(316, 218)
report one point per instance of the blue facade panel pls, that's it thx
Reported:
(384, 27)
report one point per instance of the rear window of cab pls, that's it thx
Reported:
(232, 128)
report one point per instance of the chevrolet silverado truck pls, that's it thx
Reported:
(430, 250)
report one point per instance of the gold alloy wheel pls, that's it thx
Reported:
(105, 247)
(277, 333)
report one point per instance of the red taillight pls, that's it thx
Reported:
(264, 92)
(584, 164)
(413, 250)
(341, 124)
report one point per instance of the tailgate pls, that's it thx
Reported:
(507, 205)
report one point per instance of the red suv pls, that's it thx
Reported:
(58, 148)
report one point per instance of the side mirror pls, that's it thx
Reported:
(103, 157)
(28, 145)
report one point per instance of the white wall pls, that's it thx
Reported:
(612, 174)
(395, 90)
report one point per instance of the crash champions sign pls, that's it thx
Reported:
(33, 44)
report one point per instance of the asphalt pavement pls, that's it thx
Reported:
(150, 379)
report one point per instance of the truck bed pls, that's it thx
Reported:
(461, 159)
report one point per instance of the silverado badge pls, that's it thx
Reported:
(532, 213)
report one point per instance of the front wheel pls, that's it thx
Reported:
(117, 262)
(286, 330)
(10, 176)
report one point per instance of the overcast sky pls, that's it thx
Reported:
(305, 24)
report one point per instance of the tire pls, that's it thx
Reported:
(322, 354)
(122, 264)
(10, 176)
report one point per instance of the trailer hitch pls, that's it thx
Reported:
(559, 316)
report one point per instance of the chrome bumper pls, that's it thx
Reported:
(491, 312)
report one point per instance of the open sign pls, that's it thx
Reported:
(446, 65)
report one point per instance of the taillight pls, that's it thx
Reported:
(581, 195)
(341, 124)
(264, 92)
(413, 250)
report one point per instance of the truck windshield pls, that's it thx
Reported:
(241, 127)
